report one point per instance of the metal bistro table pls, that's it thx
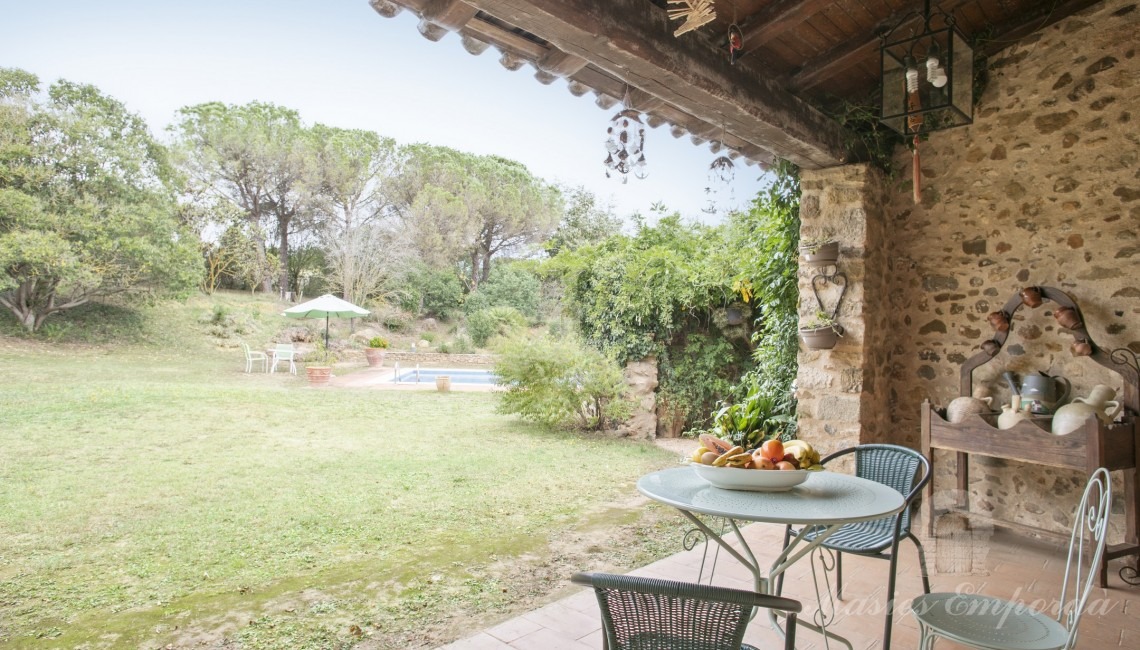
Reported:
(825, 502)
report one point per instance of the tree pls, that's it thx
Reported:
(87, 205)
(585, 222)
(459, 208)
(258, 157)
(362, 253)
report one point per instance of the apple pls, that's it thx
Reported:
(788, 458)
(763, 463)
(785, 465)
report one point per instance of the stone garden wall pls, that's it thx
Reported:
(1043, 189)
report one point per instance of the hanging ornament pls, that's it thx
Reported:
(625, 144)
(694, 13)
(735, 42)
(914, 123)
(723, 170)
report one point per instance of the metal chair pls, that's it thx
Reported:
(903, 469)
(284, 352)
(993, 623)
(647, 614)
(254, 356)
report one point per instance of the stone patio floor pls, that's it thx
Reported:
(1015, 567)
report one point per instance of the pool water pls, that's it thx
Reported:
(428, 375)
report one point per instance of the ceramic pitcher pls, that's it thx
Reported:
(1099, 403)
(962, 407)
(1013, 413)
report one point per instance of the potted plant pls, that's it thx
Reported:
(819, 252)
(377, 345)
(821, 331)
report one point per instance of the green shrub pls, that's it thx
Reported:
(431, 292)
(560, 382)
(496, 321)
(378, 342)
(428, 336)
(462, 345)
(508, 286)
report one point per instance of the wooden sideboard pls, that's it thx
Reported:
(1114, 446)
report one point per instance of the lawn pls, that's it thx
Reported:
(153, 495)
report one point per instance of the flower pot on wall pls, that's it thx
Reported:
(375, 356)
(820, 338)
(820, 255)
(319, 375)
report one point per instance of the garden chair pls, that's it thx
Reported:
(903, 469)
(992, 623)
(284, 352)
(254, 356)
(645, 613)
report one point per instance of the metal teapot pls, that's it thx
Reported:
(1042, 392)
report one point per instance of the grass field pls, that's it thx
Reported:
(153, 495)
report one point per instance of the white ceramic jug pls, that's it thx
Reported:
(1011, 414)
(1099, 403)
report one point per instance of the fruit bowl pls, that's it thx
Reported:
(755, 480)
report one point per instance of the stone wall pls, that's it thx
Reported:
(1043, 189)
(841, 391)
(437, 358)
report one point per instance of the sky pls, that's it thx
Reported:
(340, 63)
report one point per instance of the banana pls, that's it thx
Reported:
(722, 460)
(803, 452)
(696, 456)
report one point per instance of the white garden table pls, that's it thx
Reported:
(824, 503)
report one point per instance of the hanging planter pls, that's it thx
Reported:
(819, 253)
(821, 333)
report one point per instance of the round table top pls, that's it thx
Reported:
(824, 498)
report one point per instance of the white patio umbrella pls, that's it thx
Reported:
(328, 306)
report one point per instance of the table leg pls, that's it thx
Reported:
(749, 562)
(826, 564)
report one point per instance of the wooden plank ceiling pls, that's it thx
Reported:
(798, 55)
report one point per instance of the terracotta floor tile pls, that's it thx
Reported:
(1017, 568)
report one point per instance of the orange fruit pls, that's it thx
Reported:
(773, 450)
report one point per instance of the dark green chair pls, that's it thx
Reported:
(651, 614)
(903, 469)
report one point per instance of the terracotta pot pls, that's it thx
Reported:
(319, 375)
(375, 356)
(1031, 297)
(999, 321)
(991, 347)
(1067, 317)
(825, 255)
(1081, 348)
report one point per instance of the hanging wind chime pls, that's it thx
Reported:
(625, 144)
(694, 13)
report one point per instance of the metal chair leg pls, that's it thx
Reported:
(780, 578)
(921, 563)
(839, 575)
(891, 585)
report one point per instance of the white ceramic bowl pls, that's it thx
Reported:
(756, 480)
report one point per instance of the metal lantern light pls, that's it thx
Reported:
(928, 78)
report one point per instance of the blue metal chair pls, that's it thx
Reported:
(995, 624)
(652, 614)
(903, 469)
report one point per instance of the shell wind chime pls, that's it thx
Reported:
(625, 144)
(694, 13)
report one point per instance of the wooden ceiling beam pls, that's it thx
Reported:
(452, 14)
(843, 56)
(776, 18)
(1028, 22)
(622, 39)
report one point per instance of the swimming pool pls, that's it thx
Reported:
(428, 375)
